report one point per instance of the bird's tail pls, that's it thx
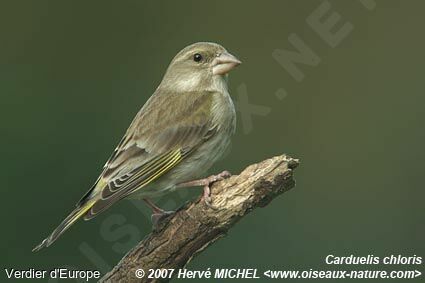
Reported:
(66, 223)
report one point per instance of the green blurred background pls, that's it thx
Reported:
(74, 73)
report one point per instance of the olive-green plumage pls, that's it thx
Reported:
(178, 134)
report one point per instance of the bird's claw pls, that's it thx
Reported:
(206, 197)
(158, 217)
(207, 191)
(221, 176)
(207, 182)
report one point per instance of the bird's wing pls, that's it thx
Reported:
(166, 130)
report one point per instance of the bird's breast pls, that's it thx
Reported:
(223, 111)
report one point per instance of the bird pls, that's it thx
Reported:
(178, 134)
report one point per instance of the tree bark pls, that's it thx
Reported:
(195, 226)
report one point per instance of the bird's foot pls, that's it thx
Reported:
(206, 197)
(207, 182)
(221, 176)
(158, 214)
(157, 218)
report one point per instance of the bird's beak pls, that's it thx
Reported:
(223, 63)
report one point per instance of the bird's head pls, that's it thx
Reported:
(197, 66)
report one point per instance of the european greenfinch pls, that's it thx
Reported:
(178, 134)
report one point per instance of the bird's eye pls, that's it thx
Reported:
(197, 57)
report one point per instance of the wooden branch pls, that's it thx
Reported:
(195, 225)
